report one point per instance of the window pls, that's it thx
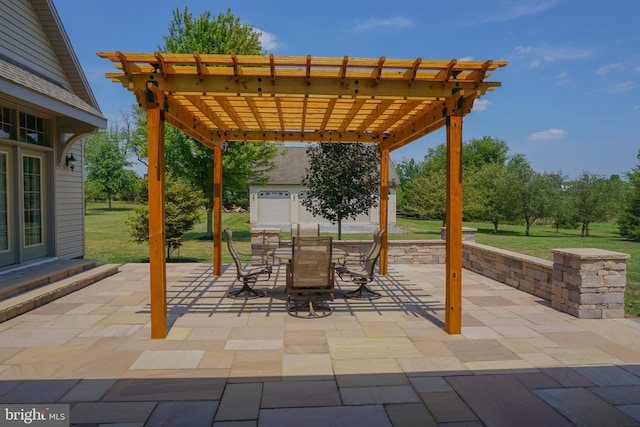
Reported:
(21, 126)
(32, 129)
(7, 123)
(32, 181)
(4, 203)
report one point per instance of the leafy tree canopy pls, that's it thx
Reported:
(106, 161)
(343, 181)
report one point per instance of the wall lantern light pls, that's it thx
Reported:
(70, 161)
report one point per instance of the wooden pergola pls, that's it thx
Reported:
(225, 98)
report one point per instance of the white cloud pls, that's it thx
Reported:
(606, 69)
(481, 105)
(373, 23)
(547, 134)
(520, 10)
(269, 41)
(562, 79)
(548, 54)
(625, 86)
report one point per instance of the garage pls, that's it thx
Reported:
(274, 207)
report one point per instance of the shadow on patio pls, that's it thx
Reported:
(377, 363)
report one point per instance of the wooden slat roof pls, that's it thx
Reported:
(218, 98)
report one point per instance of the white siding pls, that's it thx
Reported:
(24, 40)
(69, 203)
(299, 212)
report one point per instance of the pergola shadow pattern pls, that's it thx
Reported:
(203, 292)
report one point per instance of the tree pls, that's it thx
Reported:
(182, 211)
(484, 191)
(106, 162)
(343, 181)
(486, 150)
(406, 170)
(529, 193)
(629, 219)
(243, 162)
(475, 153)
(222, 35)
(430, 196)
(591, 197)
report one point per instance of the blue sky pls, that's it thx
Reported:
(569, 97)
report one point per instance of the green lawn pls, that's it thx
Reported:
(108, 241)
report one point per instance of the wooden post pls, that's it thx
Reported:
(384, 209)
(217, 211)
(157, 240)
(453, 306)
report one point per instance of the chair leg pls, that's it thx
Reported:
(246, 291)
(310, 309)
(363, 292)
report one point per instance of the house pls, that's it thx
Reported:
(46, 107)
(278, 202)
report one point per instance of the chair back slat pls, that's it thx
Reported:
(233, 252)
(374, 253)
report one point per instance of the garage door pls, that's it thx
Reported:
(274, 207)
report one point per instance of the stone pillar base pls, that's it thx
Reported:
(589, 283)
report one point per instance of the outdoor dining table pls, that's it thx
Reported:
(286, 254)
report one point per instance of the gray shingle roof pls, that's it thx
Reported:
(291, 167)
(27, 80)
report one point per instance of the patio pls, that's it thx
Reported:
(377, 363)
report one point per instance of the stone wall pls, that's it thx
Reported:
(586, 283)
(527, 273)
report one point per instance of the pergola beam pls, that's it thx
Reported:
(350, 88)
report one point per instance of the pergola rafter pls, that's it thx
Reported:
(225, 98)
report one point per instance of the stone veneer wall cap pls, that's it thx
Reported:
(591, 253)
(405, 242)
(516, 255)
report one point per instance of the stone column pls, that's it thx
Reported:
(262, 241)
(468, 234)
(589, 283)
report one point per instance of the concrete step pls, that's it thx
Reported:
(22, 278)
(32, 297)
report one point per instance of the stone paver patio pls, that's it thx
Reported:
(386, 362)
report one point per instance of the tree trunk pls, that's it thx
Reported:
(495, 226)
(209, 234)
(109, 199)
(585, 229)
(339, 229)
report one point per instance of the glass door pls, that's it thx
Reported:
(7, 228)
(33, 206)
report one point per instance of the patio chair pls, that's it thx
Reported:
(364, 272)
(248, 273)
(310, 277)
(305, 229)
